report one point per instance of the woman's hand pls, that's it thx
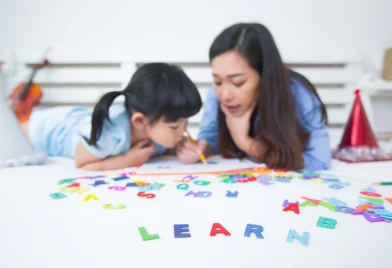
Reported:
(239, 127)
(188, 152)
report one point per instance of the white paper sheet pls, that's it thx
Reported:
(172, 165)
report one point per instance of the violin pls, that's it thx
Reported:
(27, 95)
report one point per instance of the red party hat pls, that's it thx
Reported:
(359, 143)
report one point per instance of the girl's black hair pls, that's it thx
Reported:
(278, 124)
(157, 90)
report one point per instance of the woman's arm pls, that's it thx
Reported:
(208, 128)
(317, 155)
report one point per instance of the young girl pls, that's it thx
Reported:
(258, 107)
(158, 102)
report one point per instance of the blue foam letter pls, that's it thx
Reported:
(253, 228)
(304, 239)
(181, 231)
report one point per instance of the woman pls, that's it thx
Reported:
(258, 107)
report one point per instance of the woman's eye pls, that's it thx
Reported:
(175, 128)
(239, 84)
(217, 83)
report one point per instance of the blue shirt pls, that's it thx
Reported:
(309, 114)
(58, 130)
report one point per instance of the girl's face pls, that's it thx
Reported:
(236, 83)
(167, 134)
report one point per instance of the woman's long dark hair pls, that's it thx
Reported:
(157, 90)
(278, 125)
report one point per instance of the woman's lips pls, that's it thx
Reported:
(232, 109)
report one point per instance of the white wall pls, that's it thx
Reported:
(178, 29)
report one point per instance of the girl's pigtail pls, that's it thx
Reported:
(100, 113)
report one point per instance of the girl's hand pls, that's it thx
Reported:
(239, 127)
(140, 153)
(188, 153)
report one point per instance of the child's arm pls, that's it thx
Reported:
(139, 154)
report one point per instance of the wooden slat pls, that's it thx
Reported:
(76, 96)
(80, 75)
(336, 116)
(88, 94)
(329, 96)
(79, 65)
(81, 85)
(289, 64)
(315, 75)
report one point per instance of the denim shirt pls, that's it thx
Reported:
(309, 114)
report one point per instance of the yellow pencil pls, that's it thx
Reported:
(202, 157)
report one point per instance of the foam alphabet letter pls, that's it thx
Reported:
(121, 178)
(328, 206)
(90, 196)
(145, 188)
(201, 183)
(371, 194)
(57, 195)
(286, 203)
(195, 194)
(372, 199)
(253, 228)
(146, 236)
(110, 206)
(117, 188)
(75, 184)
(304, 239)
(204, 194)
(143, 194)
(182, 186)
(66, 181)
(229, 180)
(232, 194)
(344, 209)
(371, 217)
(181, 231)
(363, 207)
(327, 223)
(97, 183)
(187, 178)
(292, 207)
(217, 228)
(79, 190)
(311, 200)
(336, 186)
(335, 201)
(308, 203)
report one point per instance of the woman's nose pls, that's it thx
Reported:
(227, 94)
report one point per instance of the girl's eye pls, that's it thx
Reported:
(239, 84)
(175, 128)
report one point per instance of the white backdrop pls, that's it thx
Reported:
(184, 29)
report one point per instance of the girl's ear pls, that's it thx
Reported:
(139, 120)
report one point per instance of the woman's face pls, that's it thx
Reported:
(236, 83)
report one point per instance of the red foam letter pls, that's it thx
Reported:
(143, 194)
(371, 194)
(292, 207)
(217, 228)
